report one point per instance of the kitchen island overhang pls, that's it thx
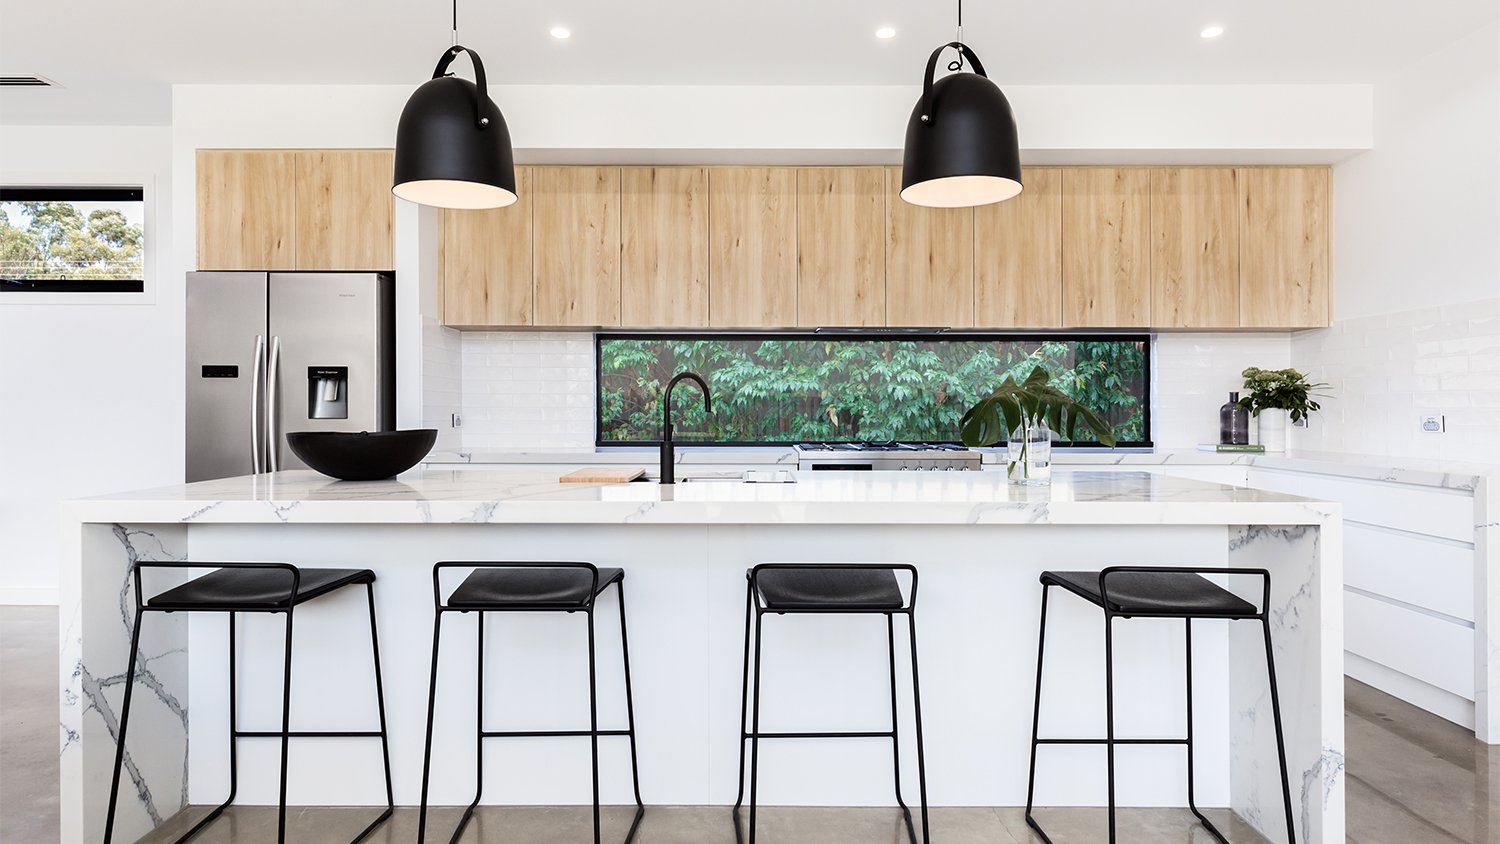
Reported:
(978, 542)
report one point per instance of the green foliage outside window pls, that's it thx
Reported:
(818, 388)
(58, 240)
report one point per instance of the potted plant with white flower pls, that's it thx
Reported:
(1277, 398)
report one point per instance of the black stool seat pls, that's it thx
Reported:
(1153, 592)
(544, 588)
(256, 588)
(831, 588)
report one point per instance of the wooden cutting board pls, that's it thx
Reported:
(603, 475)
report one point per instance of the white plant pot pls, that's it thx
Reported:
(1272, 428)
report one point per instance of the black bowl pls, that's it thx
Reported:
(363, 456)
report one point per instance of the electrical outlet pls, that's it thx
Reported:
(1433, 423)
(458, 421)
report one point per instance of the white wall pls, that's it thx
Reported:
(1417, 268)
(90, 394)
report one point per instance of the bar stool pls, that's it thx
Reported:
(253, 588)
(1156, 592)
(830, 588)
(530, 587)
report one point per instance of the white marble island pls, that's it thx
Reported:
(978, 542)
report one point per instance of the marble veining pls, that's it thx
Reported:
(95, 649)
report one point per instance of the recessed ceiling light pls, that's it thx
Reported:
(885, 33)
(1213, 31)
(561, 33)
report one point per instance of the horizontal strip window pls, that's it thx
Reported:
(72, 239)
(783, 388)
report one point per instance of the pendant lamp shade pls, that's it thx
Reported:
(452, 145)
(961, 145)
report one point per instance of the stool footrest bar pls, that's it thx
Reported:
(1182, 741)
(550, 733)
(308, 734)
(886, 734)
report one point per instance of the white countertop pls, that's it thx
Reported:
(445, 496)
(1437, 473)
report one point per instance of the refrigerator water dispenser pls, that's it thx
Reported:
(328, 392)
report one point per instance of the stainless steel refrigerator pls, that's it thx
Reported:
(269, 353)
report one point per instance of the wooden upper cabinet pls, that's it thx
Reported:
(840, 246)
(1018, 256)
(929, 262)
(1195, 250)
(752, 247)
(345, 211)
(486, 262)
(246, 209)
(1284, 247)
(664, 247)
(577, 245)
(1106, 247)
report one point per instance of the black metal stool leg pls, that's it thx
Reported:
(739, 796)
(286, 728)
(114, 787)
(437, 631)
(1036, 717)
(1192, 797)
(890, 641)
(1187, 624)
(755, 729)
(1286, 786)
(593, 719)
(478, 734)
(635, 770)
(385, 744)
(1109, 714)
(916, 701)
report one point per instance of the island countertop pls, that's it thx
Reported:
(441, 496)
(980, 544)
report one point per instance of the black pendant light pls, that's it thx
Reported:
(452, 145)
(961, 146)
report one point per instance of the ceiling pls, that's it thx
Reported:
(116, 61)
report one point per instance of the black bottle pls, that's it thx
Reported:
(1234, 422)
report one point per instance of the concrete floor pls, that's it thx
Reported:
(1412, 778)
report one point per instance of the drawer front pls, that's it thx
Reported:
(1429, 573)
(1435, 651)
(1401, 506)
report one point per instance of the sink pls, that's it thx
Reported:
(753, 476)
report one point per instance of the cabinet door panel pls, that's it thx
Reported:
(840, 246)
(1106, 247)
(486, 262)
(752, 246)
(929, 262)
(577, 243)
(246, 209)
(664, 247)
(1195, 258)
(1018, 256)
(345, 210)
(1284, 247)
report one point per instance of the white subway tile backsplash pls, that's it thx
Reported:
(1434, 360)
(527, 390)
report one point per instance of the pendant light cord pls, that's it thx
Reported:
(957, 63)
(455, 23)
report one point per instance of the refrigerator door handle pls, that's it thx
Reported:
(272, 411)
(257, 442)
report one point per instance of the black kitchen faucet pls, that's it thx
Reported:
(668, 456)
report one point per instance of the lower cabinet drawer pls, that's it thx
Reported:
(1433, 650)
(1424, 510)
(1412, 569)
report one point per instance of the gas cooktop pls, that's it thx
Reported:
(881, 446)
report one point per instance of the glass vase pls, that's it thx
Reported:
(1031, 454)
